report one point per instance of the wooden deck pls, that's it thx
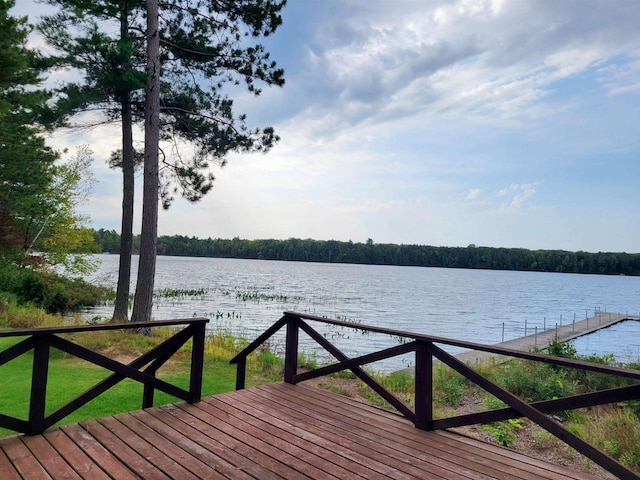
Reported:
(268, 432)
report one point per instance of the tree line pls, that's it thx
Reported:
(334, 251)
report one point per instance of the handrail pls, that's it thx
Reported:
(42, 340)
(426, 350)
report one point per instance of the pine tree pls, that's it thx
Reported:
(204, 45)
(26, 163)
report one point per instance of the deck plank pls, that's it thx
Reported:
(371, 432)
(98, 453)
(356, 449)
(223, 453)
(24, 462)
(268, 433)
(518, 465)
(167, 442)
(6, 467)
(315, 450)
(86, 468)
(367, 439)
(165, 465)
(280, 463)
(53, 463)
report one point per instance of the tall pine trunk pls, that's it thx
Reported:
(143, 302)
(121, 309)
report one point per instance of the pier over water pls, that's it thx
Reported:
(561, 333)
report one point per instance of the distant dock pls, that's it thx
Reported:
(541, 340)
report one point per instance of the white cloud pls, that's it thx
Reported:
(494, 61)
(520, 192)
(473, 194)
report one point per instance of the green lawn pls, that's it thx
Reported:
(69, 376)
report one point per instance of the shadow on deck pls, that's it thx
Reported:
(267, 432)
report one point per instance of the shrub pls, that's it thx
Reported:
(534, 381)
(14, 315)
(48, 290)
(594, 381)
(617, 431)
(449, 386)
(544, 439)
(31, 289)
(401, 381)
(562, 349)
(493, 403)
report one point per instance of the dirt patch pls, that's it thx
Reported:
(117, 355)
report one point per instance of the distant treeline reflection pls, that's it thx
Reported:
(333, 251)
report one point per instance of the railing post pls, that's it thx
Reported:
(241, 373)
(291, 353)
(148, 393)
(197, 361)
(39, 377)
(424, 387)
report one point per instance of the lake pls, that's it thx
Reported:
(244, 297)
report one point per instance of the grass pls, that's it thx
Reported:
(625, 444)
(70, 376)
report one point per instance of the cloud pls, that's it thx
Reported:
(490, 60)
(473, 194)
(403, 124)
(519, 193)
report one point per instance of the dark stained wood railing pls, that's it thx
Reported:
(426, 350)
(42, 340)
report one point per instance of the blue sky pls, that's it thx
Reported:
(498, 123)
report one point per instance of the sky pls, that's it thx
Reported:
(502, 123)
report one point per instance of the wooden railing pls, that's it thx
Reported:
(426, 349)
(42, 340)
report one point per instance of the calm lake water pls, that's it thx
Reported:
(244, 297)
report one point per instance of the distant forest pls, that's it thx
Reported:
(333, 251)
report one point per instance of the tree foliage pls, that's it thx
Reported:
(26, 163)
(205, 46)
(39, 198)
(64, 230)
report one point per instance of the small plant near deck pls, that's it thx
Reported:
(401, 381)
(493, 403)
(443, 412)
(308, 362)
(331, 385)
(543, 439)
(401, 384)
(449, 386)
(503, 432)
(220, 344)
